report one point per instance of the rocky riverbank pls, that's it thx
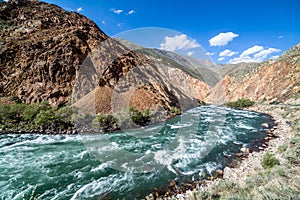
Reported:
(248, 163)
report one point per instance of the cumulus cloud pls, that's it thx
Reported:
(79, 9)
(264, 53)
(209, 54)
(178, 42)
(190, 53)
(252, 50)
(227, 53)
(222, 39)
(221, 58)
(254, 54)
(131, 12)
(116, 11)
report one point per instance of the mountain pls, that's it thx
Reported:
(270, 81)
(205, 70)
(63, 57)
(42, 47)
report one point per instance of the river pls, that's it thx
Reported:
(127, 164)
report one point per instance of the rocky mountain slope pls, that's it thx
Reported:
(42, 47)
(50, 54)
(270, 81)
(204, 70)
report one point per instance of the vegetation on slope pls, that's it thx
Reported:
(37, 116)
(240, 103)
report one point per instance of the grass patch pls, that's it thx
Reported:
(269, 161)
(297, 95)
(240, 103)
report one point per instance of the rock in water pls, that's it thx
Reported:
(265, 125)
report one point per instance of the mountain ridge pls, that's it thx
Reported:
(64, 56)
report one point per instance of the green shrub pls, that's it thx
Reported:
(16, 99)
(15, 112)
(67, 114)
(140, 118)
(297, 95)
(175, 110)
(45, 117)
(107, 122)
(240, 103)
(269, 161)
(31, 116)
(202, 103)
(31, 111)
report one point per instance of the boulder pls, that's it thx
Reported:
(265, 125)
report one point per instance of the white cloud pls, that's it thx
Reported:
(280, 36)
(227, 53)
(120, 24)
(221, 58)
(79, 9)
(103, 22)
(222, 39)
(6, 0)
(178, 42)
(190, 53)
(131, 12)
(116, 11)
(252, 50)
(274, 57)
(254, 54)
(264, 53)
(209, 54)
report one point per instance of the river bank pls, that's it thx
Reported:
(248, 179)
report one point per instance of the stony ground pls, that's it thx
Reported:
(250, 180)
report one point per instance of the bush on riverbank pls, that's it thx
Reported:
(20, 116)
(240, 103)
(140, 118)
(175, 110)
(106, 122)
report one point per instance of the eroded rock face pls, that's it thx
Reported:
(271, 81)
(42, 47)
(122, 78)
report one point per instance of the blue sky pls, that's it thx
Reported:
(230, 31)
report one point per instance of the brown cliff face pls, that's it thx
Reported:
(51, 54)
(42, 46)
(271, 81)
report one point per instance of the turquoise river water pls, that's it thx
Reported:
(127, 164)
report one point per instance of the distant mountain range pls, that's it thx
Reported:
(50, 54)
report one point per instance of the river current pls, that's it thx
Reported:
(126, 164)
